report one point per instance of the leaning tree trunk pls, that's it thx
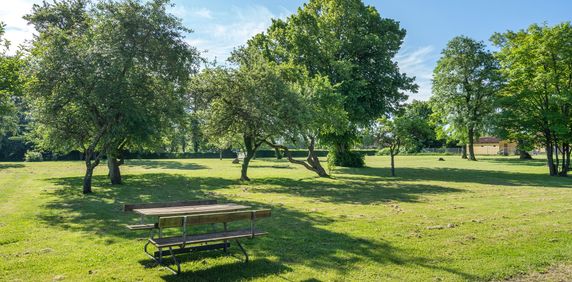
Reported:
(313, 159)
(312, 164)
(464, 152)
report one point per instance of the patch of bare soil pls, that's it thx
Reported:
(557, 273)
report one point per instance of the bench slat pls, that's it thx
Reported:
(141, 226)
(199, 219)
(131, 207)
(203, 238)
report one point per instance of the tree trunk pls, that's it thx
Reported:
(87, 179)
(89, 167)
(114, 171)
(565, 159)
(552, 169)
(313, 159)
(464, 152)
(244, 169)
(392, 164)
(471, 145)
(250, 147)
(220, 154)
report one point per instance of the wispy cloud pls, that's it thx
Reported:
(203, 13)
(419, 63)
(220, 37)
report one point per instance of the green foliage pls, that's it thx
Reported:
(106, 76)
(347, 159)
(537, 99)
(465, 82)
(352, 46)
(33, 156)
(11, 85)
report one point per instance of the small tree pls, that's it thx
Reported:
(390, 136)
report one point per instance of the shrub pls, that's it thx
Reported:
(32, 156)
(383, 152)
(347, 159)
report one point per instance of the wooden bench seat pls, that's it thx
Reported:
(147, 226)
(203, 238)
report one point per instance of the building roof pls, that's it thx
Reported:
(488, 140)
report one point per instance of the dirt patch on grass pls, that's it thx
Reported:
(557, 273)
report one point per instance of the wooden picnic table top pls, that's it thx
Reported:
(197, 209)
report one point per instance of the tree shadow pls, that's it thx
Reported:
(352, 190)
(159, 164)
(286, 166)
(487, 177)
(234, 271)
(295, 237)
(514, 161)
(10, 165)
(101, 212)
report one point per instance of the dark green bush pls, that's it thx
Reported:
(347, 159)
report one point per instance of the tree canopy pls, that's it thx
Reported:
(106, 75)
(536, 101)
(465, 82)
(354, 47)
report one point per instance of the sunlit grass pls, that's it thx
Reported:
(451, 220)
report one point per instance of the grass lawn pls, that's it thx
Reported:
(451, 220)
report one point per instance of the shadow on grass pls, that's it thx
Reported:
(515, 161)
(10, 165)
(352, 190)
(171, 164)
(295, 237)
(464, 175)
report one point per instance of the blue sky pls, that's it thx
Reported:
(222, 25)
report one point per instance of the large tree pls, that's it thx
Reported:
(465, 82)
(537, 98)
(251, 101)
(354, 47)
(106, 76)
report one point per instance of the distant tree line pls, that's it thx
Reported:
(109, 77)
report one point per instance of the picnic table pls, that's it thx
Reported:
(183, 215)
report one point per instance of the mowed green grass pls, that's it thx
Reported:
(452, 221)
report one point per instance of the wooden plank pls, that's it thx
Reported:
(203, 238)
(218, 217)
(200, 219)
(141, 226)
(261, 214)
(131, 207)
(181, 210)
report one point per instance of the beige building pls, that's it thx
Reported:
(494, 146)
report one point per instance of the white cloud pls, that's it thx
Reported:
(220, 37)
(17, 29)
(203, 13)
(418, 63)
